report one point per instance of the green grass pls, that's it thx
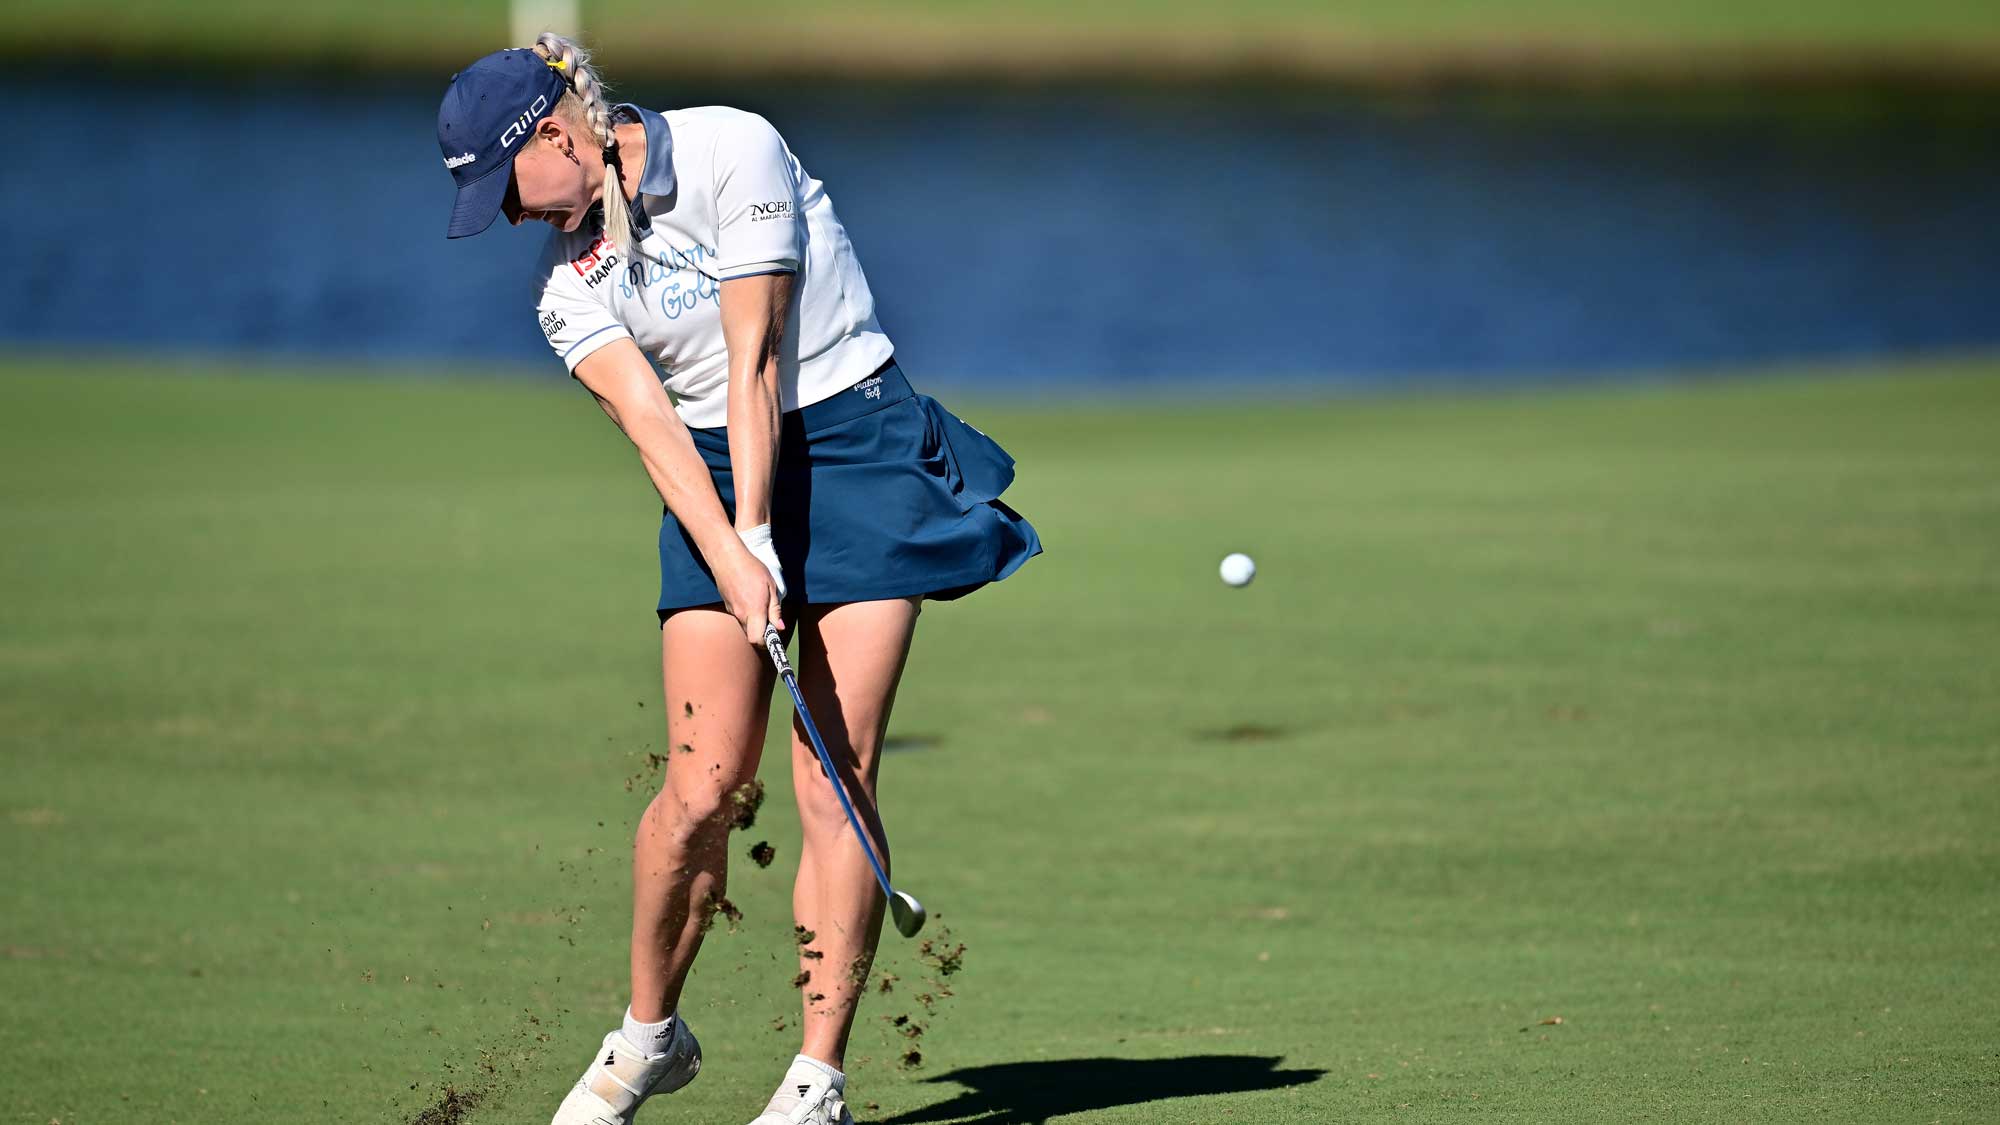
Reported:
(1671, 711)
(1700, 22)
(1360, 40)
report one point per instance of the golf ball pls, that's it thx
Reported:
(1238, 570)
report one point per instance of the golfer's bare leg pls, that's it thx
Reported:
(850, 659)
(718, 691)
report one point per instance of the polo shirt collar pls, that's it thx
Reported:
(657, 179)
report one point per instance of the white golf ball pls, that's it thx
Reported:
(1238, 569)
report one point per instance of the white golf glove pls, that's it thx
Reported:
(758, 540)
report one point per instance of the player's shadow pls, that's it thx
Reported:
(1029, 1093)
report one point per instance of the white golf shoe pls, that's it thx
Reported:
(620, 1079)
(811, 1094)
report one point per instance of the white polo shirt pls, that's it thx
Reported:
(721, 197)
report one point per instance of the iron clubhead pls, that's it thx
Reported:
(907, 912)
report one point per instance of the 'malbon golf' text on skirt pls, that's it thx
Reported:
(880, 493)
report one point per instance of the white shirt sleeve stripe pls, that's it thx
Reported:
(758, 269)
(587, 339)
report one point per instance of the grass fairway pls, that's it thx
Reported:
(1368, 42)
(1670, 712)
(1689, 23)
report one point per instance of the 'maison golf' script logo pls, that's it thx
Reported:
(672, 279)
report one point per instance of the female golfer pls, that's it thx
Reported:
(805, 484)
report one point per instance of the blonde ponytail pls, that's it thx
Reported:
(587, 106)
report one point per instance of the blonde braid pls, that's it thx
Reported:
(587, 104)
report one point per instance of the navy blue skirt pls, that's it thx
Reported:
(879, 493)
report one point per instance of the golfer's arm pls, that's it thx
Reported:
(630, 394)
(753, 325)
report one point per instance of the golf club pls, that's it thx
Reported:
(907, 912)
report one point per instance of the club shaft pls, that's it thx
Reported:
(833, 777)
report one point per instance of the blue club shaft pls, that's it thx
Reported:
(776, 647)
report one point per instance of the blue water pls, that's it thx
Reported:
(1031, 236)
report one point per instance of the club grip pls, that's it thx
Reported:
(774, 643)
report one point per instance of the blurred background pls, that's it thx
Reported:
(1612, 730)
(1052, 195)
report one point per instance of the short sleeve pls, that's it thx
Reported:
(756, 200)
(574, 324)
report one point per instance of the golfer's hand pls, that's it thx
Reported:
(753, 584)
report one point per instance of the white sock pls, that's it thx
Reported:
(838, 1078)
(650, 1038)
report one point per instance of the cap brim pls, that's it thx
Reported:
(478, 202)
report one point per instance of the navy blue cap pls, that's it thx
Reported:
(489, 109)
